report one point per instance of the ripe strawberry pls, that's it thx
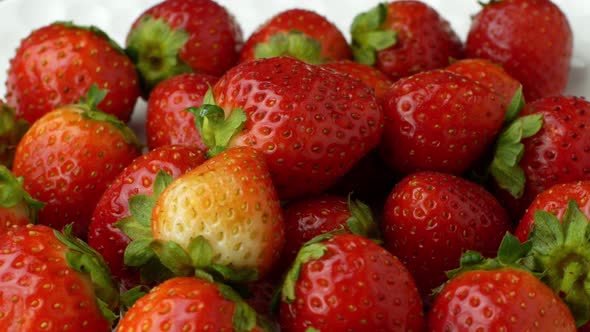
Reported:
(311, 124)
(367, 74)
(11, 132)
(555, 201)
(431, 218)
(223, 217)
(68, 158)
(136, 179)
(402, 38)
(300, 33)
(56, 65)
(489, 74)
(531, 39)
(439, 121)
(190, 304)
(181, 36)
(167, 122)
(507, 299)
(17, 207)
(555, 149)
(53, 282)
(348, 283)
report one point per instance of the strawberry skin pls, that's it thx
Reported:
(558, 153)
(55, 66)
(507, 299)
(431, 218)
(231, 202)
(311, 124)
(186, 304)
(38, 290)
(439, 121)
(304, 25)
(531, 39)
(555, 201)
(136, 179)
(67, 159)
(167, 122)
(350, 284)
(371, 76)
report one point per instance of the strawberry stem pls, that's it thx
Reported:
(295, 44)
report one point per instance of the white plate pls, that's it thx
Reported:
(19, 17)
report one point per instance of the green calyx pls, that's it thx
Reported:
(84, 259)
(368, 37)
(361, 221)
(12, 193)
(295, 44)
(509, 152)
(89, 107)
(516, 105)
(216, 130)
(160, 260)
(154, 48)
(95, 30)
(490, 2)
(11, 131)
(245, 317)
(562, 251)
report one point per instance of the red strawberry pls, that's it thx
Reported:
(68, 158)
(439, 121)
(223, 217)
(17, 207)
(167, 122)
(53, 282)
(402, 38)
(531, 39)
(56, 65)
(11, 132)
(181, 36)
(300, 33)
(367, 74)
(431, 218)
(555, 149)
(190, 304)
(311, 124)
(489, 74)
(507, 299)
(348, 283)
(555, 201)
(136, 179)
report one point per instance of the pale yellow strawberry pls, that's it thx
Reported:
(230, 201)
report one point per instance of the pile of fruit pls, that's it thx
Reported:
(295, 181)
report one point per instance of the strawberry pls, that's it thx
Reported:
(166, 121)
(56, 65)
(431, 218)
(17, 207)
(136, 179)
(402, 38)
(555, 201)
(223, 218)
(51, 281)
(11, 132)
(489, 74)
(181, 36)
(531, 39)
(372, 77)
(190, 304)
(499, 294)
(68, 158)
(439, 121)
(345, 282)
(300, 33)
(311, 124)
(547, 144)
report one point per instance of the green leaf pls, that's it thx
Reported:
(228, 293)
(365, 56)
(131, 296)
(133, 229)
(361, 221)
(377, 40)
(12, 193)
(229, 274)
(312, 329)
(201, 252)
(516, 105)
(94, 97)
(511, 250)
(295, 44)
(138, 253)
(162, 180)
(244, 317)
(547, 233)
(140, 207)
(106, 311)
(173, 256)
(308, 252)
(368, 36)
(154, 272)
(370, 20)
